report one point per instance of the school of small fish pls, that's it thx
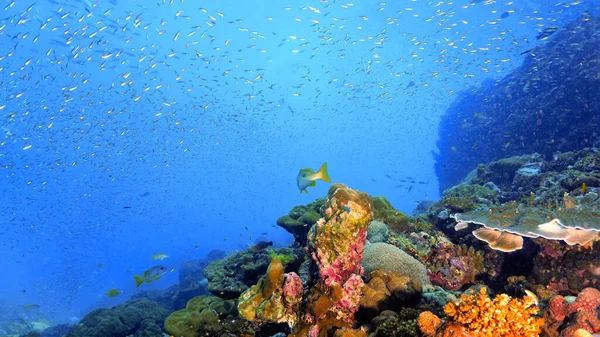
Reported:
(90, 83)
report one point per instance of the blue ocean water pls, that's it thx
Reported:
(130, 128)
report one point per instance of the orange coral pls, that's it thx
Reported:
(503, 316)
(428, 323)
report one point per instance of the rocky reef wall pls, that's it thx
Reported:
(551, 103)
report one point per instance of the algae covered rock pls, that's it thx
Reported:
(231, 276)
(122, 320)
(300, 219)
(467, 197)
(550, 103)
(386, 213)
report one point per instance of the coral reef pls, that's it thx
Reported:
(300, 219)
(390, 323)
(377, 232)
(581, 313)
(386, 213)
(336, 243)
(206, 316)
(453, 266)
(122, 320)
(550, 103)
(428, 323)
(562, 268)
(575, 221)
(387, 290)
(275, 298)
(229, 277)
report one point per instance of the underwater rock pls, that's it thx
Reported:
(59, 330)
(190, 273)
(550, 103)
(402, 323)
(300, 219)
(386, 213)
(120, 321)
(229, 277)
(173, 297)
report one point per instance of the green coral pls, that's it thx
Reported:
(385, 212)
(465, 197)
(285, 258)
(205, 315)
(120, 321)
(301, 218)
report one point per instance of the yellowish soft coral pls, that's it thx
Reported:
(502, 316)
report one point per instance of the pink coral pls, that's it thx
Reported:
(584, 320)
(350, 302)
(587, 300)
(292, 289)
(453, 266)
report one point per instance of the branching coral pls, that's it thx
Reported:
(502, 316)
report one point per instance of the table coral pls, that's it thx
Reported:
(502, 316)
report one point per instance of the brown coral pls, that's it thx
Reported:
(386, 288)
(502, 316)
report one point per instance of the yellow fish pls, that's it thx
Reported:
(307, 177)
(112, 293)
(152, 274)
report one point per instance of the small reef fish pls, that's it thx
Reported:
(159, 256)
(547, 32)
(307, 177)
(152, 274)
(31, 307)
(260, 246)
(112, 293)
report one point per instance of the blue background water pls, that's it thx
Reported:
(205, 156)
